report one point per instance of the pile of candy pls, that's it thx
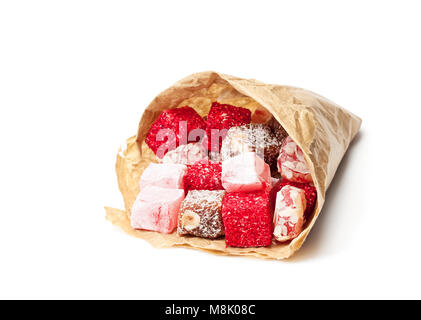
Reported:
(217, 178)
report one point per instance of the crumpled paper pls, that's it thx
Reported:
(320, 127)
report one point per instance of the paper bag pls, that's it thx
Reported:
(320, 127)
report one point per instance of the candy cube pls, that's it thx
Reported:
(278, 130)
(156, 209)
(164, 175)
(203, 175)
(309, 191)
(245, 172)
(261, 115)
(247, 219)
(186, 154)
(291, 162)
(175, 127)
(288, 218)
(221, 117)
(200, 214)
(257, 138)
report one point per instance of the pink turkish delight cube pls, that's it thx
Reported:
(156, 209)
(288, 217)
(245, 172)
(291, 162)
(164, 175)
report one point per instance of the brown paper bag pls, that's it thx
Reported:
(321, 128)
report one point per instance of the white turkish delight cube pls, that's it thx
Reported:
(288, 217)
(186, 154)
(291, 162)
(245, 172)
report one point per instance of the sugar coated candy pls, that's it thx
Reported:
(156, 209)
(247, 219)
(200, 214)
(186, 154)
(309, 191)
(203, 175)
(174, 127)
(291, 162)
(221, 117)
(288, 217)
(258, 138)
(245, 172)
(278, 130)
(164, 175)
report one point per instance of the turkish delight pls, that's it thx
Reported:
(200, 214)
(278, 130)
(186, 154)
(309, 191)
(156, 209)
(175, 127)
(245, 172)
(257, 138)
(288, 218)
(291, 162)
(203, 175)
(247, 219)
(221, 117)
(261, 115)
(164, 175)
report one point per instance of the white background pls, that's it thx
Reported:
(75, 77)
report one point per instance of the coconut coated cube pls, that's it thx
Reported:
(156, 209)
(257, 138)
(200, 214)
(245, 172)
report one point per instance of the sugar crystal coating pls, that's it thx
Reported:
(156, 209)
(288, 217)
(291, 162)
(177, 126)
(247, 219)
(257, 138)
(164, 175)
(200, 214)
(245, 172)
(221, 117)
(203, 175)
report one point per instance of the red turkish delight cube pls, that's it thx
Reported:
(247, 219)
(203, 175)
(175, 127)
(221, 117)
